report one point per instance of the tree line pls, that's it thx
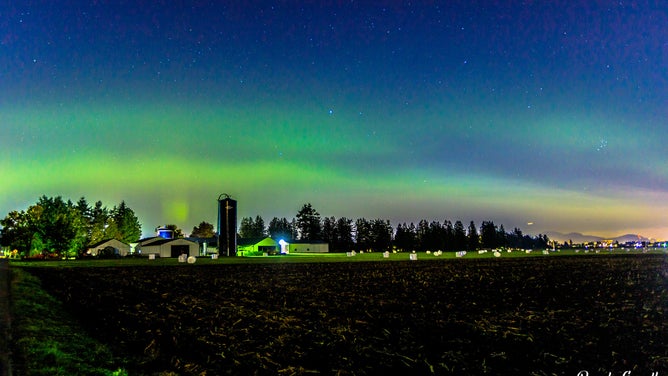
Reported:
(63, 228)
(344, 234)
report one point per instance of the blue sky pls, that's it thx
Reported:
(553, 113)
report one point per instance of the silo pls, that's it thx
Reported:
(227, 225)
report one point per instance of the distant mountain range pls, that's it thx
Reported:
(577, 237)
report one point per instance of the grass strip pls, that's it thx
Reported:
(47, 341)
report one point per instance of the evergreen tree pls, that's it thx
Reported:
(459, 243)
(328, 233)
(128, 229)
(423, 235)
(380, 235)
(259, 229)
(280, 229)
(362, 234)
(488, 235)
(436, 236)
(308, 223)
(449, 233)
(246, 227)
(344, 234)
(502, 237)
(250, 228)
(98, 224)
(404, 238)
(473, 239)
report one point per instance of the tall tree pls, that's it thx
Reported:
(328, 233)
(362, 234)
(259, 229)
(246, 227)
(423, 235)
(250, 228)
(127, 225)
(488, 235)
(436, 236)
(501, 236)
(18, 231)
(60, 226)
(308, 223)
(459, 236)
(404, 237)
(473, 239)
(449, 233)
(381, 235)
(99, 224)
(281, 229)
(203, 230)
(344, 233)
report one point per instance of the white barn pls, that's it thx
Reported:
(162, 247)
(118, 246)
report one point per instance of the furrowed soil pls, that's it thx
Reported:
(551, 315)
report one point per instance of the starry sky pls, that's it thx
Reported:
(550, 113)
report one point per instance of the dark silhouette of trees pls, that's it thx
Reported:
(488, 235)
(344, 235)
(281, 229)
(473, 239)
(380, 235)
(328, 232)
(502, 237)
(60, 227)
(250, 228)
(405, 237)
(203, 230)
(460, 239)
(176, 231)
(362, 234)
(308, 223)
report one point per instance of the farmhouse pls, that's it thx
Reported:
(167, 247)
(112, 246)
(256, 246)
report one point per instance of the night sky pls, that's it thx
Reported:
(546, 112)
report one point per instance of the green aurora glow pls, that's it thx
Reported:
(379, 128)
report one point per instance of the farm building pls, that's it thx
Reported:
(168, 247)
(308, 246)
(207, 246)
(248, 246)
(112, 246)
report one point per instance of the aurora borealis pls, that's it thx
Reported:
(553, 113)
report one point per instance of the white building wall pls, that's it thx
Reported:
(308, 247)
